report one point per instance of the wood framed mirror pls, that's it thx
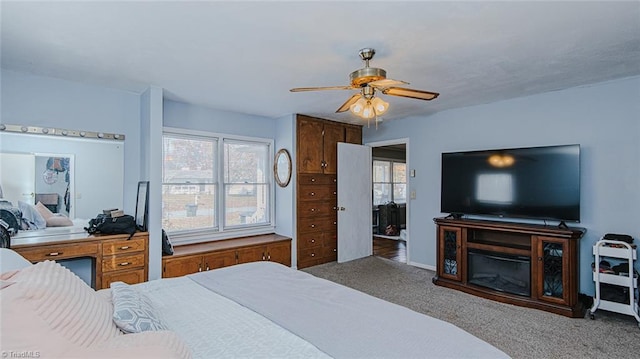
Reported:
(282, 167)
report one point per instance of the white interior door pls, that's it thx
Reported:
(17, 177)
(354, 202)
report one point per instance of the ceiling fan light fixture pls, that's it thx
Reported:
(379, 105)
(368, 109)
(358, 107)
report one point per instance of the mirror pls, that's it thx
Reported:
(84, 175)
(282, 168)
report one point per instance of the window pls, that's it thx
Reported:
(213, 183)
(245, 182)
(389, 182)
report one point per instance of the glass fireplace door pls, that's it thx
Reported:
(552, 269)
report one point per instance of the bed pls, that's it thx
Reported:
(253, 310)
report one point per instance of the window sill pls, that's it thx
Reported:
(199, 237)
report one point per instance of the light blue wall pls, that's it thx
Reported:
(285, 197)
(151, 116)
(199, 118)
(603, 118)
(49, 102)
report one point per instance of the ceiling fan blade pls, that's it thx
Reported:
(300, 89)
(411, 93)
(345, 106)
(384, 83)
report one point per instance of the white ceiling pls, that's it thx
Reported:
(245, 56)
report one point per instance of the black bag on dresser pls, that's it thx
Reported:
(12, 216)
(112, 225)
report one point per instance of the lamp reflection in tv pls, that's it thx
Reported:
(500, 160)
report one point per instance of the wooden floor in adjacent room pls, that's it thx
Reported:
(394, 249)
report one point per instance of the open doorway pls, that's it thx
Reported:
(390, 199)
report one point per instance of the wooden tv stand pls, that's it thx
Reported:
(551, 252)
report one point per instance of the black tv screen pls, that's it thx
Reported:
(535, 182)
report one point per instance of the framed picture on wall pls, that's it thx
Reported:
(142, 206)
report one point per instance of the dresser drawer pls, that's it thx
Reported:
(315, 193)
(122, 262)
(58, 252)
(317, 208)
(123, 246)
(310, 254)
(129, 277)
(330, 250)
(316, 179)
(310, 240)
(317, 224)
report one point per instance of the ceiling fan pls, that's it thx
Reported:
(368, 80)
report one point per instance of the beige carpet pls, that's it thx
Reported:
(519, 332)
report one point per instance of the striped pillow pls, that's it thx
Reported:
(65, 303)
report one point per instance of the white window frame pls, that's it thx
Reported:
(391, 161)
(220, 232)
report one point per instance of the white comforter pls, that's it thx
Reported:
(216, 327)
(267, 310)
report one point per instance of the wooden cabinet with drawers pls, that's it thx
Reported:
(200, 257)
(316, 204)
(115, 257)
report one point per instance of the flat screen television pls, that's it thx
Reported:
(534, 182)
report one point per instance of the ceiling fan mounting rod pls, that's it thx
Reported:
(366, 54)
(361, 77)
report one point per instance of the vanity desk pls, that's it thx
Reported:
(114, 257)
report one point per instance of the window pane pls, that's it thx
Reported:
(381, 171)
(400, 193)
(381, 193)
(399, 172)
(188, 160)
(246, 162)
(188, 206)
(246, 204)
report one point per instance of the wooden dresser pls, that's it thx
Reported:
(115, 257)
(317, 167)
(193, 258)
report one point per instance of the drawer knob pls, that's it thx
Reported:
(124, 264)
(313, 209)
(334, 223)
(313, 240)
(313, 226)
(312, 193)
(124, 248)
(313, 179)
(313, 254)
(54, 254)
(335, 193)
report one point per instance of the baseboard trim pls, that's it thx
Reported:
(423, 266)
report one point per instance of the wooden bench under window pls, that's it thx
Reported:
(192, 258)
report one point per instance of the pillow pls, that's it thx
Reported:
(133, 311)
(59, 220)
(62, 303)
(44, 211)
(32, 216)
